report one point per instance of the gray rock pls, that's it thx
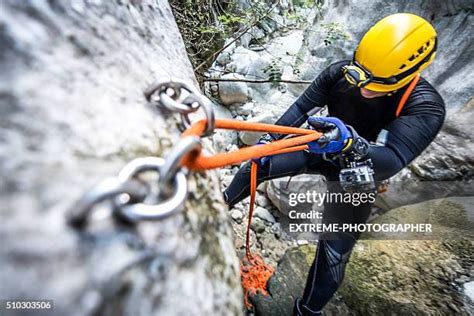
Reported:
(276, 228)
(257, 33)
(257, 225)
(469, 290)
(245, 109)
(233, 92)
(237, 215)
(245, 40)
(223, 58)
(262, 201)
(264, 214)
(242, 58)
(223, 138)
(73, 113)
(251, 138)
(278, 190)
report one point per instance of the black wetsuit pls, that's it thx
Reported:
(406, 137)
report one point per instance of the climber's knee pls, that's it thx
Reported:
(337, 253)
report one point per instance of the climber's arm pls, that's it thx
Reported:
(408, 135)
(405, 137)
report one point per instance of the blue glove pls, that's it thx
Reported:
(265, 139)
(335, 135)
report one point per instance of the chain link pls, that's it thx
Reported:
(135, 200)
(180, 97)
(106, 190)
(154, 206)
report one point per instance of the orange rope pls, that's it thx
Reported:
(255, 273)
(407, 93)
(196, 160)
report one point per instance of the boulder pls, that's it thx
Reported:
(221, 138)
(231, 92)
(251, 138)
(223, 58)
(278, 190)
(242, 58)
(264, 214)
(73, 113)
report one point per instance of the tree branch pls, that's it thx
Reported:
(255, 80)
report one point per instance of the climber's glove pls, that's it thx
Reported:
(336, 138)
(264, 139)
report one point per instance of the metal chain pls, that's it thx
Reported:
(134, 199)
(169, 95)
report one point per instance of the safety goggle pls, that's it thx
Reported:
(359, 76)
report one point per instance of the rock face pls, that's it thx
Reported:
(73, 113)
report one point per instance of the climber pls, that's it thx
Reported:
(363, 97)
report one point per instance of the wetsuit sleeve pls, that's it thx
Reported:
(409, 134)
(316, 95)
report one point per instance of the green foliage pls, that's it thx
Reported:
(304, 3)
(274, 70)
(205, 24)
(334, 32)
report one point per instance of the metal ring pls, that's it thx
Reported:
(172, 105)
(107, 189)
(208, 109)
(170, 102)
(191, 103)
(171, 165)
(142, 211)
(160, 86)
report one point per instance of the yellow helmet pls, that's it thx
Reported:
(392, 52)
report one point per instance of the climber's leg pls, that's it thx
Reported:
(332, 254)
(278, 166)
